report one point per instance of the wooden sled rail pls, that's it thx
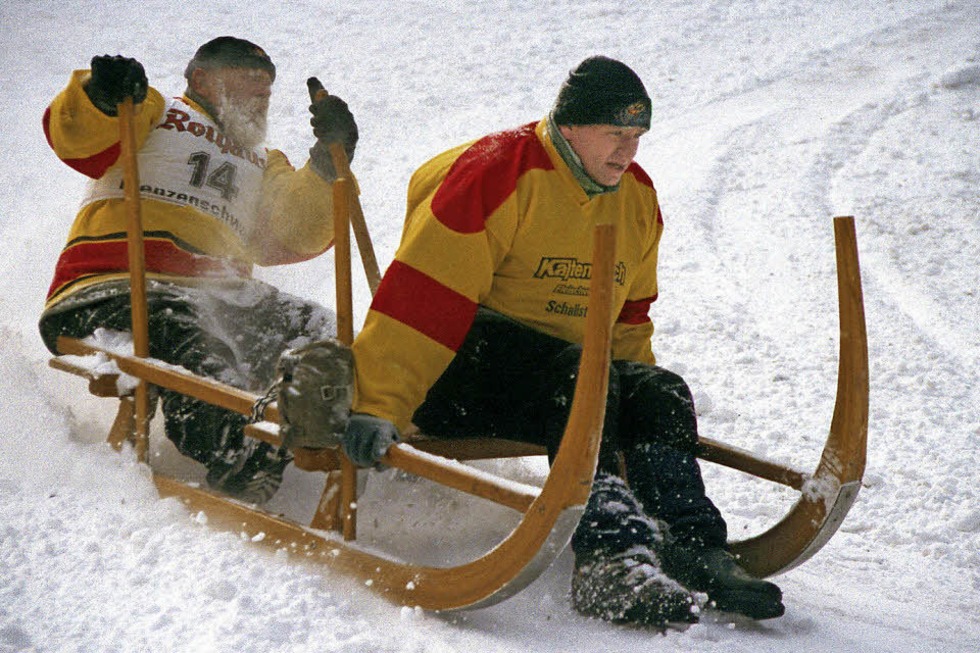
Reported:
(461, 449)
(405, 457)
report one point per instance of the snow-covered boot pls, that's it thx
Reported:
(730, 588)
(629, 587)
(315, 389)
(253, 474)
(617, 572)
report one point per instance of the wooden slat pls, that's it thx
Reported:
(100, 385)
(173, 378)
(464, 449)
(264, 431)
(137, 269)
(359, 225)
(744, 461)
(514, 495)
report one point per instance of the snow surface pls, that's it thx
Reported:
(770, 117)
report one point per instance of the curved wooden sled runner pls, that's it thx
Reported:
(550, 513)
(827, 494)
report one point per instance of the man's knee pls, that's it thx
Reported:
(564, 376)
(658, 402)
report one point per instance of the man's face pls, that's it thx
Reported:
(605, 150)
(240, 96)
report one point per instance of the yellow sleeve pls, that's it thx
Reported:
(633, 328)
(83, 136)
(428, 298)
(295, 214)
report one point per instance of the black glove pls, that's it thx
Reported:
(115, 78)
(367, 439)
(332, 122)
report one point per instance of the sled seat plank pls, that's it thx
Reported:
(99, 384)
(413, 458)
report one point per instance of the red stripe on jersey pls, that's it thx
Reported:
(485, 175)
(86, 259)
(643, 178)
(640, 174)
(636, 311)
(93, 166)
(419, 301)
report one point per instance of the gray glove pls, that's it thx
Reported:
(367, 439)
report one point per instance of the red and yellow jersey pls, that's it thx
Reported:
(210, 208)
(503, 223)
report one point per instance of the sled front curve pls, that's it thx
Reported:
(828, 494)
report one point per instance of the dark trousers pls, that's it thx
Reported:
(232, 335)
(509, 381)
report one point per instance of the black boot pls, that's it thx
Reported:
(730, 588)
(252, 474)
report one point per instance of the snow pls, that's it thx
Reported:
(770, 117)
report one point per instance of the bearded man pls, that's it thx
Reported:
(214, 203)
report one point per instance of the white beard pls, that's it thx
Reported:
(245, 122)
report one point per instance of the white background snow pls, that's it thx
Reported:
(770, 117)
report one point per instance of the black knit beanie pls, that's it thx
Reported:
(602, 91)
(231, 52)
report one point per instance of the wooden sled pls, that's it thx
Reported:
(550, 513)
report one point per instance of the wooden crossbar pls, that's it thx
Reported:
(463, 449)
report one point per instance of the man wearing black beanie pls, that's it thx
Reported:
(215, 202)
(497, 248)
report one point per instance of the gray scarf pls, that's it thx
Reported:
(568, 155)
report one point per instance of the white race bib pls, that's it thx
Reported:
(187, 161)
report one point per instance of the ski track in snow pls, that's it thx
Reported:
(770, 118)
(764, 270)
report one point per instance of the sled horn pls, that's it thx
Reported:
(137, 269)
(341, 165)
